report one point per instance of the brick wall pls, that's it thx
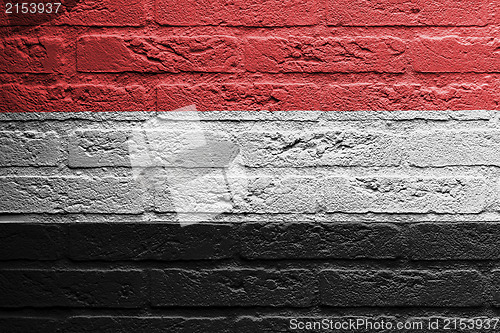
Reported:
(252, 55)
(389, 215)
(270, 216)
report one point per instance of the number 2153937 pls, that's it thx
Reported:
(32, 8)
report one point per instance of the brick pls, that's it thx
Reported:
(354, 288)
(404, 96)
(30, 148)
(28, 325)
(405, 195)
(98, 148)
(162, 144)
(240, 97)
(84, 13)
(273, 13)
(105, 195)
(408, 13)
(319, 241)
(495, 287)
(195, 191)
(175, 54)
(89, 289)
(454, 241)
(287, 194)
(459, 96)
(105, 13)
(236, 287)
(453, 54)
(113, 324)
(158, 241)
(213, 192)
(31, 55)
(32, 194)
(320, 148)
(325, 55)
(69, 98)
(31, 241)
(464, 147)
(217, 192)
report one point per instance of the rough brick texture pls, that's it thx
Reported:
(409, 96)
(70, 194)
(227, 97)
(31, 55)
(411, 195)
(103, 13)
(30, 148)
(28, 325)
(332, 55)
(114, 54)
(253, 13)
(408, 13)
(302, 149)
(254, 287)
(168, 242)
(453, 54)
(402, 288)
(319, 241)
(466, 241)
(469, 147)
(324, 55)
(33, 242)
(77, 97)
(86, 288)
(263, 207)
(242, 221)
